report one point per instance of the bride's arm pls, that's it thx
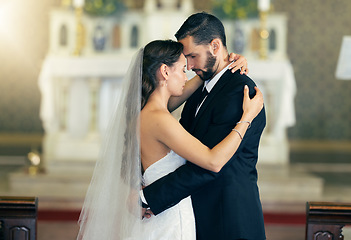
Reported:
(173, 135)
(238, 62)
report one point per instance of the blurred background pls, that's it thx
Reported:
(62, 62)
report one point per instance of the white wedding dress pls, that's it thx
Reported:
(177, 222)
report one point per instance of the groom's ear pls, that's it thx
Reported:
(215, 45)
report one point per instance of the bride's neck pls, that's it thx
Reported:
(159, 99)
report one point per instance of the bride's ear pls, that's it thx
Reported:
(162, 75)
(164, 71)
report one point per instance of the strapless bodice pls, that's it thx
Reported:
(177, 222)
(162, 167)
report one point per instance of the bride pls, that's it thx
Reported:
(145, 142)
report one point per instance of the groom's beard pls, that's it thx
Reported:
(207, 74)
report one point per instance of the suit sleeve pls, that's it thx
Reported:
(171, 189)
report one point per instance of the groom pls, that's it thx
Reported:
(226, 204)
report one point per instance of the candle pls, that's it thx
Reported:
(263, 5)
(78, 3)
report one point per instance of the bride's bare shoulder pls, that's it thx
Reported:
(155, 118)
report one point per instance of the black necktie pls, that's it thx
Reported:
(204, 93)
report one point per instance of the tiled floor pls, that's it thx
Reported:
(336, 187)
(56, 230)
(49, 230)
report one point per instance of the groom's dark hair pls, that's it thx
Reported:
(203, 27)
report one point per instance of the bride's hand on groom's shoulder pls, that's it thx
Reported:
(238, 62)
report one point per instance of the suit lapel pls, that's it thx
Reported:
(188, 113)
(209, 101)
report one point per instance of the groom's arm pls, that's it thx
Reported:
(172, 188)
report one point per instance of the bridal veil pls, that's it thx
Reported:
(111, 209)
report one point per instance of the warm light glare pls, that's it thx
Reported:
(9, 20)
(34, 158)
(14, 25)
(5, 16)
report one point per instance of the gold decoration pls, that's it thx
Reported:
(264, 35)
(66, 3)
(80, 32)
(255, 40)
(35, 163)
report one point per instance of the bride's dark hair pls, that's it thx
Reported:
(156, 53)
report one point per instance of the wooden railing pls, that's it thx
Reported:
(325, 220)
(18, 218)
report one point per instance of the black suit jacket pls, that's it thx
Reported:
(226, 204)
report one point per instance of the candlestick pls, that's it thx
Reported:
(78, 3)
(80, 32)
(263, 5)
(264, 34)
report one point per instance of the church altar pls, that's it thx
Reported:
(276, 80)
(78, 95)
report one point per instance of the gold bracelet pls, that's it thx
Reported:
(241, 137)
(245, 122)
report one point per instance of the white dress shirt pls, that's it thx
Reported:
(209, 84)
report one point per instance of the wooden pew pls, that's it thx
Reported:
(325, 220)
(18, 218)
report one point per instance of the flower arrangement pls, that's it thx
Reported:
(102, 7)
(235, 9)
